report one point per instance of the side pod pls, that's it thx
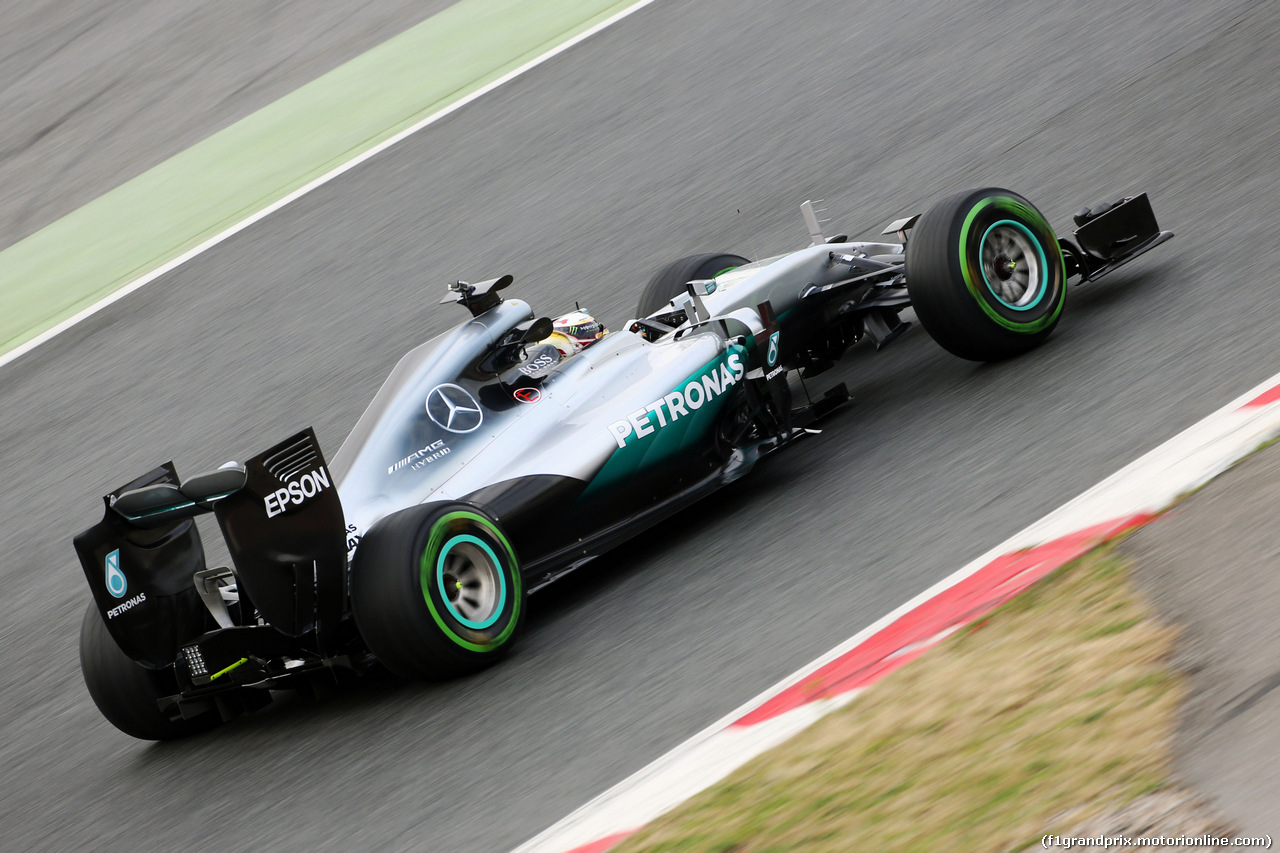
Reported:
(287, 538)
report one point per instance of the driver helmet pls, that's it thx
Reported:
(574, 332)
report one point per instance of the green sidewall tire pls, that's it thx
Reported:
(670, 281)
(126, 692)
(401, 609)
(950, 292)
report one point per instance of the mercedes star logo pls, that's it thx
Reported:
(452, 408)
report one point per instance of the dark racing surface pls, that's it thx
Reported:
(581, 178)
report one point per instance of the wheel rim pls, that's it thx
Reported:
(471, 582)
(1013, 265)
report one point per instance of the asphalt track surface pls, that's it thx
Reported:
(632, 148)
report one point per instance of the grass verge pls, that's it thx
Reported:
(1060, 701)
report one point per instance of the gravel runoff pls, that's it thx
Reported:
(1172, 812)
(1210, 566)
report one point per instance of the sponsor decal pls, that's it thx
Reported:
(117, 584)
(536, 366)
(421, 458)
(527, 395)
(453, 408)
(297, 492)
(772, 356)
(126, 606)
(671, 407)
(709, 286)
(353, 539)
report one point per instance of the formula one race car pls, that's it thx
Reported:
(494, 459)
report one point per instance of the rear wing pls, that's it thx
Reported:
(287, 538)
(283, 524)
(141, 576)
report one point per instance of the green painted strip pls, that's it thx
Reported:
(137, 227)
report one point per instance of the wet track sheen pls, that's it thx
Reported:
(580, 178)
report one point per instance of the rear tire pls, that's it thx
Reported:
(436, 591)
(670, 281)
(127, 693)
(985, 274)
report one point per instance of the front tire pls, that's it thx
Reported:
(669, 282)
(985, 274)
(126, 692)
(436, 591)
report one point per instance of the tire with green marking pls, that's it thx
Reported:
(128, 693)
(985, 274)
(436, 591)
(670, 281)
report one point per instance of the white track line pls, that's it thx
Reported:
(144, 280)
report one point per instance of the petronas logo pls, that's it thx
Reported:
(773, 348)
(116, 583)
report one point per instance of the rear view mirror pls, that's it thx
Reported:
(541, 328)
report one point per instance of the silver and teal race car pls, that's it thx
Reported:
(489, 463)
